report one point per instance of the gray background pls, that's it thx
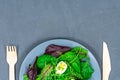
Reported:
(27, 23)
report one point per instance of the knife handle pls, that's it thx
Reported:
(105, 77)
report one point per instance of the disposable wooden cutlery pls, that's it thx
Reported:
(106, 62)
(11, 57)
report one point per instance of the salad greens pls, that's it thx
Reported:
(45, 73)
(44, 60)
(25, 77)
(56, 50)
(86, 70)
(72, 59)
(76, 59)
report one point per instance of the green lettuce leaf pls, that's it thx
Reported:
(44, 60)
(86, 70)
(81, 51)
(45, 73)
(25, 77)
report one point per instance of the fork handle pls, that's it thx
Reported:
(11, 72)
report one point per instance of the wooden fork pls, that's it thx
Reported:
(11, 57)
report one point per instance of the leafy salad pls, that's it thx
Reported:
(61, 63)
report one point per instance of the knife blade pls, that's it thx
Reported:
(106, 62)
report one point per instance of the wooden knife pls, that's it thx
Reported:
(106, 62)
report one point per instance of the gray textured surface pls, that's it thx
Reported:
(26, 23)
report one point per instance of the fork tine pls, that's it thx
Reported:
(11, 48)
(7, 48)
(14, 47)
